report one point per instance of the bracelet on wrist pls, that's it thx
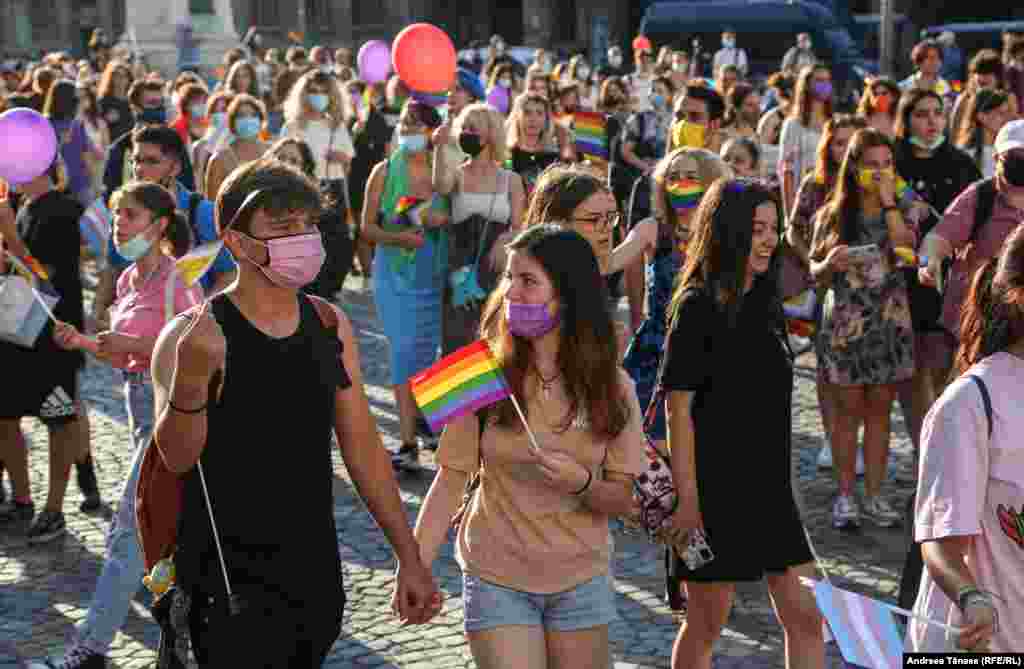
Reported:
(586, 486)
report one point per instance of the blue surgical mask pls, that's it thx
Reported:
(136, 247)
(247, 127)
(658, 101)
(219, 119)
(319, 101)
(413, 143)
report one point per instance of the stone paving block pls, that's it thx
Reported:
(45, 590)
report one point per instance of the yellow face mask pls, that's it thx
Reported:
(869, 178)
(689, 134)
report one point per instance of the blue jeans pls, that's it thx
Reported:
(123, 569)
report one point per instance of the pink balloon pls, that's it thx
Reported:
(28, 143)
(498, 98)
(374, 61)
(424, 58)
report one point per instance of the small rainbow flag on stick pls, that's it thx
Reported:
(458, 384)
(591, 130)
(196, 263)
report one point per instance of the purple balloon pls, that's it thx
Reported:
(29, 145)
(497, 97)
(374, 61)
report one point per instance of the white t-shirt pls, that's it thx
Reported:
(973, 486)
(319, 135)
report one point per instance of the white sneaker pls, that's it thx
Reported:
(859, 467)
(825, 456)
(845, 514)
(880, 512)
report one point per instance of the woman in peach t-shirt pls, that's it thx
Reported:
(970, 496)
(534, 543)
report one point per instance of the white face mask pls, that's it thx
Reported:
(615, 60)
(729, 42)
(505, 83)
(582, 73)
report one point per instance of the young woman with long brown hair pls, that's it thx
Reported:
(533, 544)
(865, 342)
(801, 132)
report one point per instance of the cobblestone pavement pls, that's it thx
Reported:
(45, 590)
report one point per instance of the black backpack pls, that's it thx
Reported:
(983, 207)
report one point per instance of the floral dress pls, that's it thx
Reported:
(866, 336)
(643, 357)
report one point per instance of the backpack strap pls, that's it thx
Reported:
(986, 399)
(194, 199)
(984, 205)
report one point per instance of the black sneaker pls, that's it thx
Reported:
(76, 658)
(85, 474)
(47, 526)
(407, 459)
(16, 513)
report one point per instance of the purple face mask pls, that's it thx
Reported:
(530, 320)
(822, 90)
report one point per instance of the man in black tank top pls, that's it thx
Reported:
(247, 388)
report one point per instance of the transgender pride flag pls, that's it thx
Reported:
(864, 628)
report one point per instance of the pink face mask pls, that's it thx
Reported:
(294, 261)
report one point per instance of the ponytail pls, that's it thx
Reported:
(177, 239)
(984, 322)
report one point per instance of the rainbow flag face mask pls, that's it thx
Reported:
(684, 195)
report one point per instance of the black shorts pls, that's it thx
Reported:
(41, 382)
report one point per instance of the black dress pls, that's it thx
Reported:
(743, 380)
(47, 375)
(269, 431)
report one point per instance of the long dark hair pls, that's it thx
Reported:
(826, 168)
(840, 216)
(969, 133)
(719, 251)
(61, 101)
(559, 190)
(993, 313)
(587, 350)
(908, 103)
(803, 97)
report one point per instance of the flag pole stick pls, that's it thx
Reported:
(522, 416)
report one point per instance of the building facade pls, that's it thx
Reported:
(27, 26)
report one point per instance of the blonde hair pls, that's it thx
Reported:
(295, 104)
(710, 168)
(494, 122)
(548, 139)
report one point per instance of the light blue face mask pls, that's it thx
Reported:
(413, 143)
(319, 101)
(921, 144)
(136, 247)
(219, 119)
(247, 127)
(197, 110)
(658, 101)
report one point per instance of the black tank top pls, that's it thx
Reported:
(267, 465)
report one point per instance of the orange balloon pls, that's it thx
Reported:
(641, 43)
(424, 58)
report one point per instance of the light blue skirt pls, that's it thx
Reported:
(410, 316)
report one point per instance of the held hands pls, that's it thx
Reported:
(416, 599)
(111, 343)
(66, 336)
(441, 135)
(886, 188)
(980, 619)
(686, 518)
(838, 259)
(560, 471)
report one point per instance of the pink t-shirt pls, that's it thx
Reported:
(972, 486)
(142, 310)
(955, 227)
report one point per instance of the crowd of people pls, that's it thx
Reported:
(716, 202)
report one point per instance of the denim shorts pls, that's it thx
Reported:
(589, 604)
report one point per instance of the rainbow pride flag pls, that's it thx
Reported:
(95, 226)
(28, 267)
(684, 194)
(458, 384)
(196, 263)
(591, 130)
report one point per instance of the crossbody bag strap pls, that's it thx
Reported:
(487, 224)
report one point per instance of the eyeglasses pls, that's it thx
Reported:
(602, 221)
